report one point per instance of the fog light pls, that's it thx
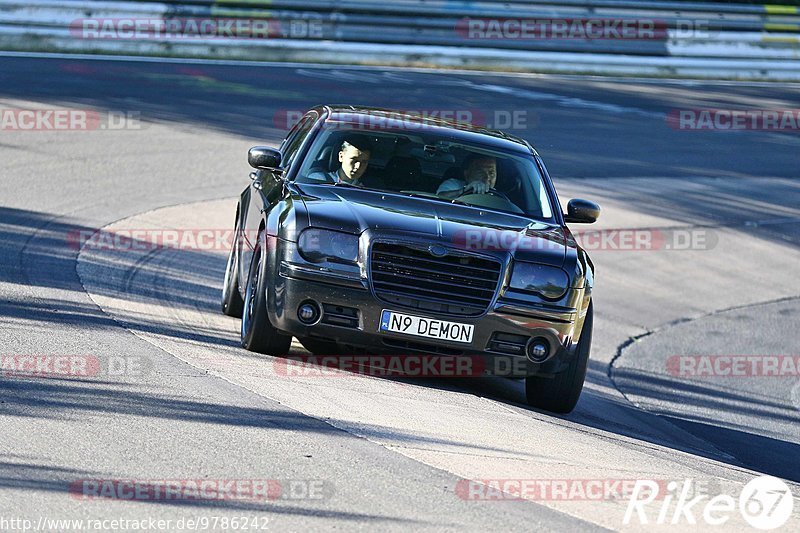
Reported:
(538, 349)
(308, 312)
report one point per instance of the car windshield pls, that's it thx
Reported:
(429, 165)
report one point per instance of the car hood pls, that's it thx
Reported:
(358, 210)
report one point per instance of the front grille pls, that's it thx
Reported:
(455, 284)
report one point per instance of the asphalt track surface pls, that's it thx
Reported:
(387, 453)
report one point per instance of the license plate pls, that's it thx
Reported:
(426, 327)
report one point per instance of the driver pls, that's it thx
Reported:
(480, 175)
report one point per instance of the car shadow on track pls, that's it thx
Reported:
(709, 412)
(608, 413)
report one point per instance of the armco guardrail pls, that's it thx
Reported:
(597, 36)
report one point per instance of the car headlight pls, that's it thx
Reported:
(317, 245)
(549, 282)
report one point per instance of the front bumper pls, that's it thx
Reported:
(351, 315)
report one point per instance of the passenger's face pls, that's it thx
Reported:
(354, 162)
(482, 170)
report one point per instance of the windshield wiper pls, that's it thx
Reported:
(437, 198)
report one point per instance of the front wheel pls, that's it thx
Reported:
(232, 303)
(560, 393)
(258, 334)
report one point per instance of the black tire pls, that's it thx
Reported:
(320, 346)
(560, 393)
(232, 303)
(258, 333)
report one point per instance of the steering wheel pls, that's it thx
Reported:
(493, 192)
(498, 193)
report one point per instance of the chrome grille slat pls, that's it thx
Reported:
(422, 279)
(436, 261)
(401, 273)
(387, 292)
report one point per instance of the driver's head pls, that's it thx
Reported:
(480, 168)
(354, 157)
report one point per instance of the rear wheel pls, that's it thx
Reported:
(258, 334)
(232, 302)
(560, 393)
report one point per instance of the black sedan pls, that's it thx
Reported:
(378, 232)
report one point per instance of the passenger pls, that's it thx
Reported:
(353, 158)
(480, 175)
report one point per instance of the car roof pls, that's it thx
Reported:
(404, 120)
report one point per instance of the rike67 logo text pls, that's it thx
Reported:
(765, 503)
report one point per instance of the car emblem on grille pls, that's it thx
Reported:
(437, 250)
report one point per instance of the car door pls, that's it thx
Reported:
(267, 189)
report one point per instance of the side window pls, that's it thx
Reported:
(295, 139)
(291, 135)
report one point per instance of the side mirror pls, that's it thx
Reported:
(264, 158)
(582, 211)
